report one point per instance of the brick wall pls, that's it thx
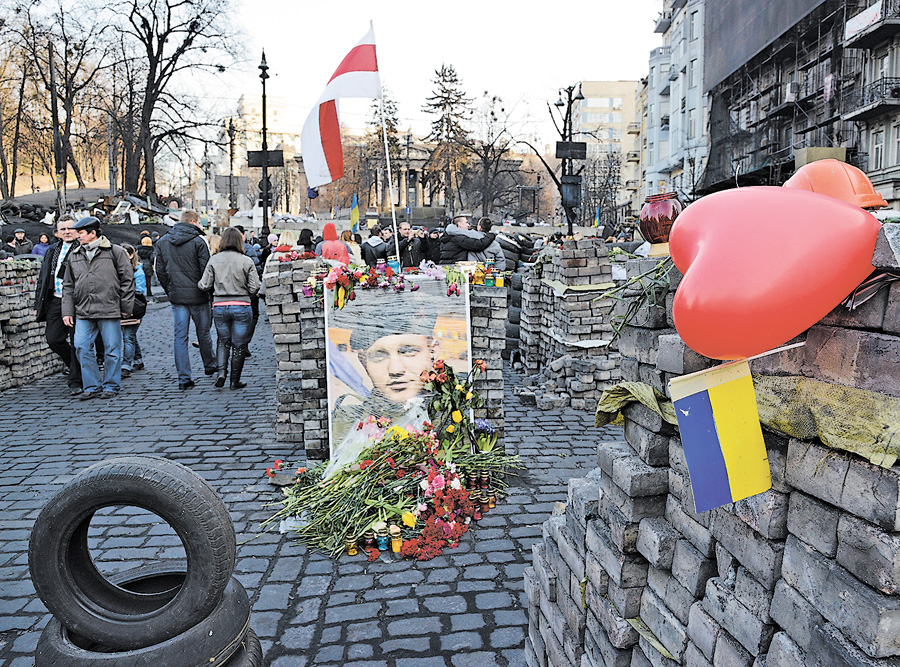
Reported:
(24, 354)
(565, 332)
(298, 326)
(806, 574)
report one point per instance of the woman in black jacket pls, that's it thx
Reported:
(147, 253)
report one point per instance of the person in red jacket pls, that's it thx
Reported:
(331, 247)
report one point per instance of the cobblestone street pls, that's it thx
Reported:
(466, 607)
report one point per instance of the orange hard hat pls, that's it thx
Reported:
(839, 180)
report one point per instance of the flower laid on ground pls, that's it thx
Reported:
(294, 255)
(485, 435)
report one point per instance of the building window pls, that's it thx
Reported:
(692, 74)
(695, 25)
(878, 149)
(651, 80)
(896, 144)
(692, 123)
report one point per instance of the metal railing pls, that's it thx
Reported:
(886, 89)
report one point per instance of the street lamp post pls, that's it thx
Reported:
(232, 203)
(263, 75)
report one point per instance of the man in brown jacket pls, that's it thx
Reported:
(98, 291)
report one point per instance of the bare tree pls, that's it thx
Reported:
(602, 183)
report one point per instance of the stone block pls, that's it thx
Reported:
(699, 536)
(600, 649)
(887, 248)
(532, 587)
(694, 657)
(662, 623)
(623, 532)
(726, 564)
(636, 478)
(892, 313)
(703, 629)
(847, 482)
(633, 509)
(584, 498)
(869, 553)
(753, 595)
(546, 578)
(648, 655)
(855, 358)
(629, 366)
(869, 618)
(596, 575)
(691, 568)
(766, 513)
(626, 600)
(777, 448)
(869, 315)
(831, 647)
(760, 556)
(814, 522)
(783, 652)
(677, 358)
(793, 613)
(556, 622)
(721, 603)
(619, 632)
(625, 570)
(608, 452)
(651, 447)
(678, 599)
(729, 653)
(656, 542)
(650, 420)
(641, 344)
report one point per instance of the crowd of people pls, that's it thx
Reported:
(92, 294)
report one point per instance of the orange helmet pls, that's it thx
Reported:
(839, 180)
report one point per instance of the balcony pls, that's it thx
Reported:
(633, 156)
(673, 73)
(873, 26)
(876, 99)
(634, 128)
(663, 21)
(678, 4)
(664, 122)
(632, 185)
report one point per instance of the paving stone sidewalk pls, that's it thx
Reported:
(464, 608)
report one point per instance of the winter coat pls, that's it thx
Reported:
(140, 287)
(181, 257)
(412, 251)
(460, 245)
(40, 249)
(47, 281)
(23, 247)
(231, 276)
(147, 254)
(433, 252)
(373, 249)
(251, 251)
(331, 248)
(98, 288)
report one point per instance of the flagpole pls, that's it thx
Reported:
(387, 159)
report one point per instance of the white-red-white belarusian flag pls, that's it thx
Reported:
(356, 76)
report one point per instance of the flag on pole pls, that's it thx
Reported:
(720, 432)
(597, 217)
(356, 76)
(354, 216)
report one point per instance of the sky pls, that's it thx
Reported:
(522, 53)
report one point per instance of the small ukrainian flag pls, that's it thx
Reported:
(354, 216)
(720, 432)
(597, 217)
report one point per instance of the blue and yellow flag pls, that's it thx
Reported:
(720, 432)
(597, 217)
(354, 216)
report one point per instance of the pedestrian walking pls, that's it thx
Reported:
(233, 280)
(98, 290)
(131, 349)
(147, 254)
(181, 257)
(48, 295)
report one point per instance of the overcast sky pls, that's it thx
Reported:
(521, 52)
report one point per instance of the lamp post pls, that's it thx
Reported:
(263, 75)
(232, 203)
(569, 182)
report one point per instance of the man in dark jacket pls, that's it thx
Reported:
(181, 257)
(458, 241)
(412, 250)
(48, 300)
(374, 248)
(99, 290)
(23, 245)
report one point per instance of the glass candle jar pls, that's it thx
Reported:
(492, 500)
(351, 547)
(369, 539)
(499, 281)
(396, 540)
(658, 215)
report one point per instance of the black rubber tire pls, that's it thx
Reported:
(516, 281)
(86, 603)
(512, 330)
(213, 641)
(512, 344)
(511, 256)
(524, 241)
(515, 314)
(249, 654)
(508, 244)
(515, 299)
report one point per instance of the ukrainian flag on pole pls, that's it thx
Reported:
(720, 432)
(354, 216)
(597, 217)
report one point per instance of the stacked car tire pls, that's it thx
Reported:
(515, 313)
(153, 616)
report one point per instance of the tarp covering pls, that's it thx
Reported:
(615, 398)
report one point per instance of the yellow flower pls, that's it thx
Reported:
(409, 519)
(457, 416)
(451, 428)
(398, 431)
(459, 387)
(469, 396)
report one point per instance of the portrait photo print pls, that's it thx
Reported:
(378, 345)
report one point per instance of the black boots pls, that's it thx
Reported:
(222, 350)
(237, 367)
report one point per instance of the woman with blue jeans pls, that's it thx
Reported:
(131, 350)
(233, 280)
